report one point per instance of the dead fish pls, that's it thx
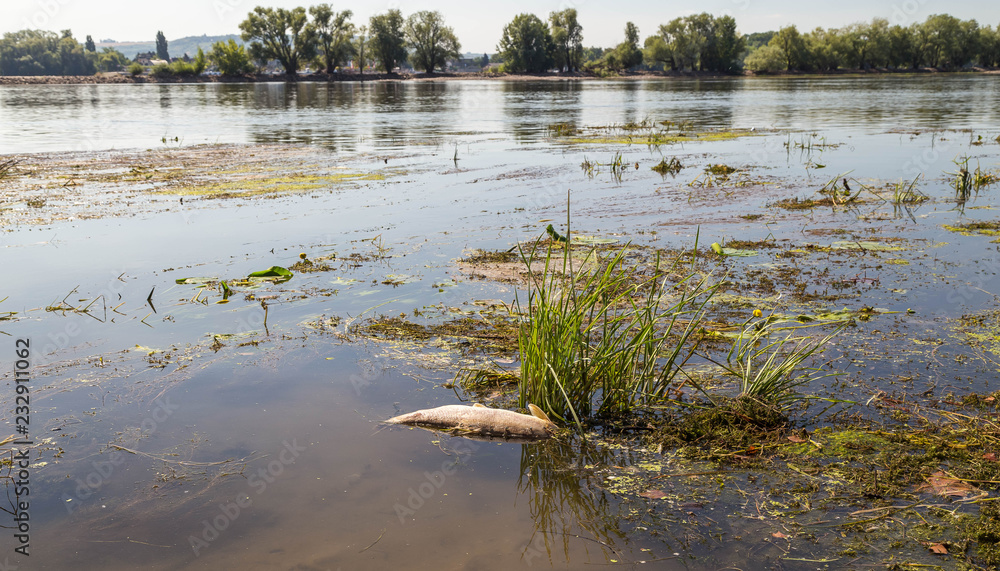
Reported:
(479, 420)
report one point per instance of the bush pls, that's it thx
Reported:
(162, 70)
(766, 58)
(136, 69)
(181, 67)
(200, 62)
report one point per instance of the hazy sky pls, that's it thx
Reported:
(478, 24)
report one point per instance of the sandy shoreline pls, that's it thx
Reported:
(112, 78)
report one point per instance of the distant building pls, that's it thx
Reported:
(145, 58)
(464, 64)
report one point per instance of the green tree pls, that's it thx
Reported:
(567, 37)
(968, 45)
(200, 62)
(29, 52)
(766, 58)
(684, 42)
(821, 47)
(863, 45)
(161, 47)
(111, 59)
(989, 46)
(727, 45)
(430, 41)
(526, 45)
(89, 45)
(73, 59)
(388, 42)
(231, 58)
(758, 39)
(279, 34)
(333, 32)
(702, 27)
(628, 53)
(792, 46)
(940, 40)
(361, 48)
(903, 51)
(656, 52)
(591, 54)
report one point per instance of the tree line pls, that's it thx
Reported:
(327, 39)
(940, 41)
(36, 52)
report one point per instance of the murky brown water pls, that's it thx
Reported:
(265, 452)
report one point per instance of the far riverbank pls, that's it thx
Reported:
(112, 78)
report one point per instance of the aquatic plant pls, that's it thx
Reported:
(904, 192)
(616, 166)
(769, 369)
(965, 182)
(845, 196)
(603, 335)
(562, 129)
(962, 181)
(720, 170)
(673, 166)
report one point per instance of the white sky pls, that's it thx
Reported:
(477, 23)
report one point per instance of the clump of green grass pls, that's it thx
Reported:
(673, 166)
(604, 336)
(905, 192)
(769, 369)
(616, 166)
(965, 182)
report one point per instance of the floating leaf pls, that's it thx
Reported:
(723, 251)
(938, 548)
(653, 494)
(738, 252)
(855, 245)
(276, 274)
(196, 281)
(592, 240)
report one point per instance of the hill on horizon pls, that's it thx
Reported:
(176, 48)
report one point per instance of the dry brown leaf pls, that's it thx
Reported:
(796, 439)
(944, 485)
(653, 494)
(938, 548)
(779, 535)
